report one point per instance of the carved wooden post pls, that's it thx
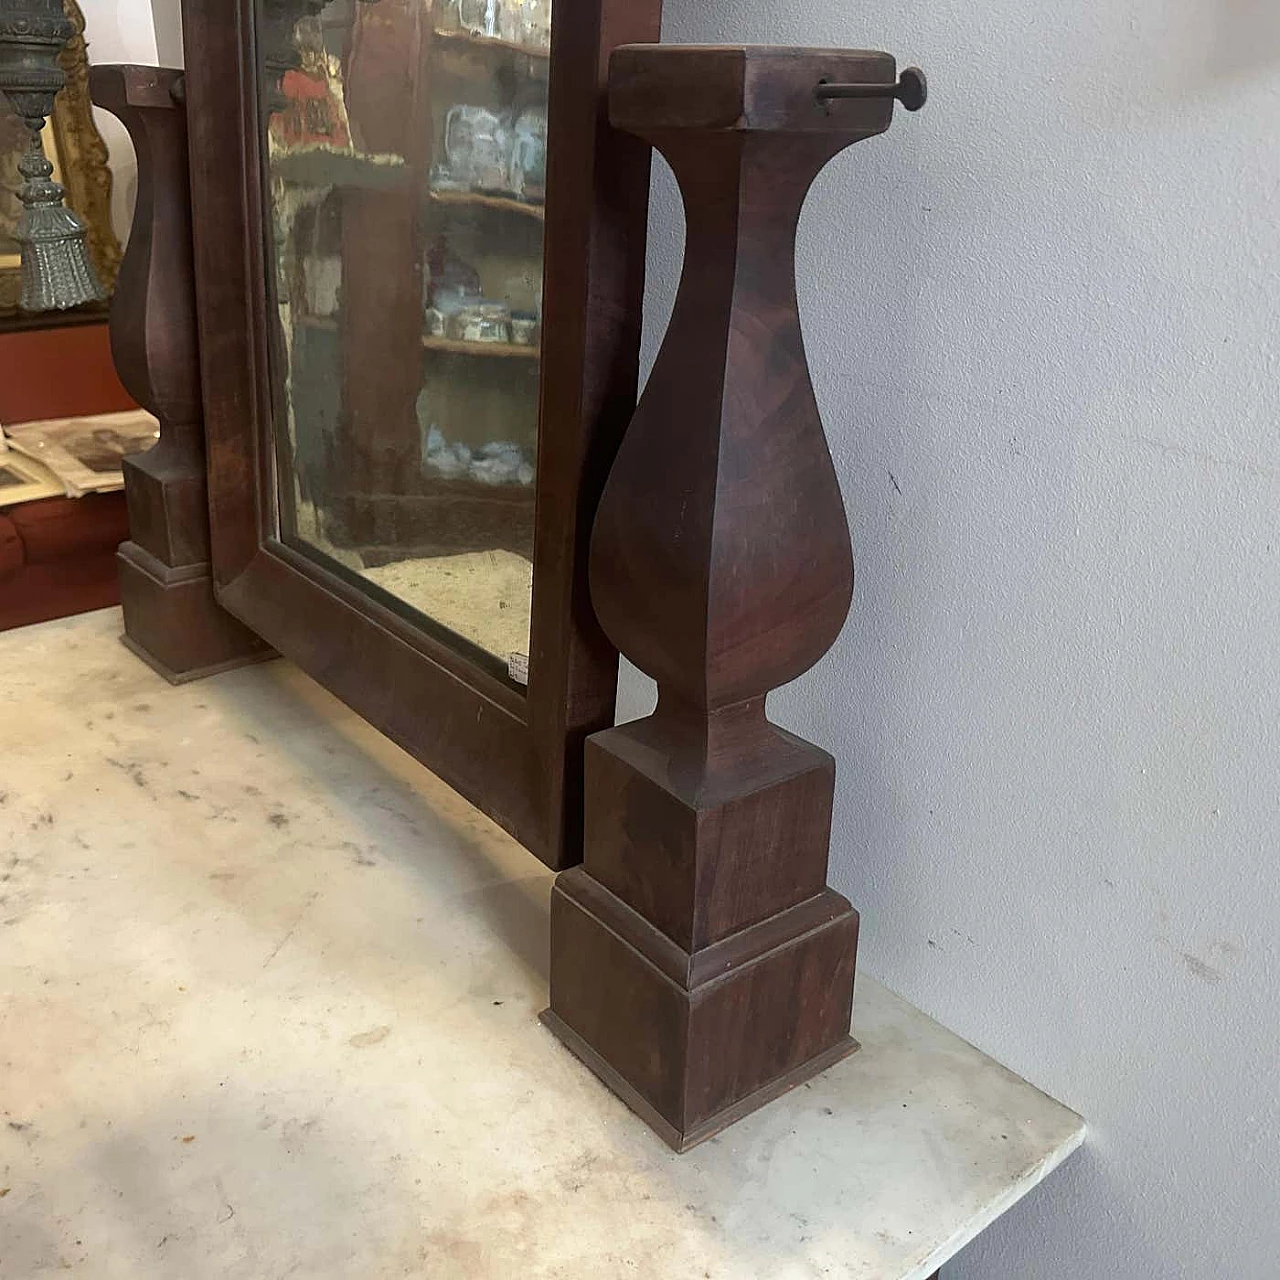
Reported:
(171, 618)
(699, 962)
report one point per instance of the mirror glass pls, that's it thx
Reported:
(405, 147)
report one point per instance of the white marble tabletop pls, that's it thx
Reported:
(268, 1007)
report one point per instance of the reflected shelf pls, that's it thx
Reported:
(449, 346)
(334, 167)
(454, 346)
(477, 198)
(467, 40)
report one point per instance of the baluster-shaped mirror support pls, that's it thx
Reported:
(172, 620)
(699, 962)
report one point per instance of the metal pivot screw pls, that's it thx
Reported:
(912, 90)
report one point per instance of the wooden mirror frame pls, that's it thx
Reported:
(517, 756)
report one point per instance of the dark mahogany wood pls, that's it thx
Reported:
(700, 963)
(517, 756)
(171, 618)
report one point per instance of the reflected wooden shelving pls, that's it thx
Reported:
(447, 346)
(465, 40)
(452, 346)
(479, 199)
(335, 167)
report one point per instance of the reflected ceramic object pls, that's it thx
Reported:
(525, 329)
(537, 23)
(477, 146)
(450, 461)
(444, 179)
(455, 323)
(480, 17)
(497, 463)
(528, 171)
(489, 322)
(518, 22)
(447, 316)
(323, 279)
(447, 275)
(512, 25)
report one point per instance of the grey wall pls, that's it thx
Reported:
(168, 22)
(1043, 319)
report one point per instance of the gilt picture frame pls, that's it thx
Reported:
(79, 156)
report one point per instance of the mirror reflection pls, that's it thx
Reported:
(406, 145)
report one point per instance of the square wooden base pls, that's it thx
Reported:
(682, 1142)
(173, 622)
(694, 1042)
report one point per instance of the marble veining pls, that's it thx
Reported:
(268, 998)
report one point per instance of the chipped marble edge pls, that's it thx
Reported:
(992, 1212)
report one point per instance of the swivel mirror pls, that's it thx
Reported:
(419, 256)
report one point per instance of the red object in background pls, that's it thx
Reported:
(59, 373)
(313, 116)
(58, 556)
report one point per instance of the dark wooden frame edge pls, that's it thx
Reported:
(519, 759)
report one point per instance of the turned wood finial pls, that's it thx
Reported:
(700, 963)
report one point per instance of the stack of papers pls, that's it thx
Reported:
(71, 456)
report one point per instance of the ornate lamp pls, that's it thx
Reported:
(56, 271)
